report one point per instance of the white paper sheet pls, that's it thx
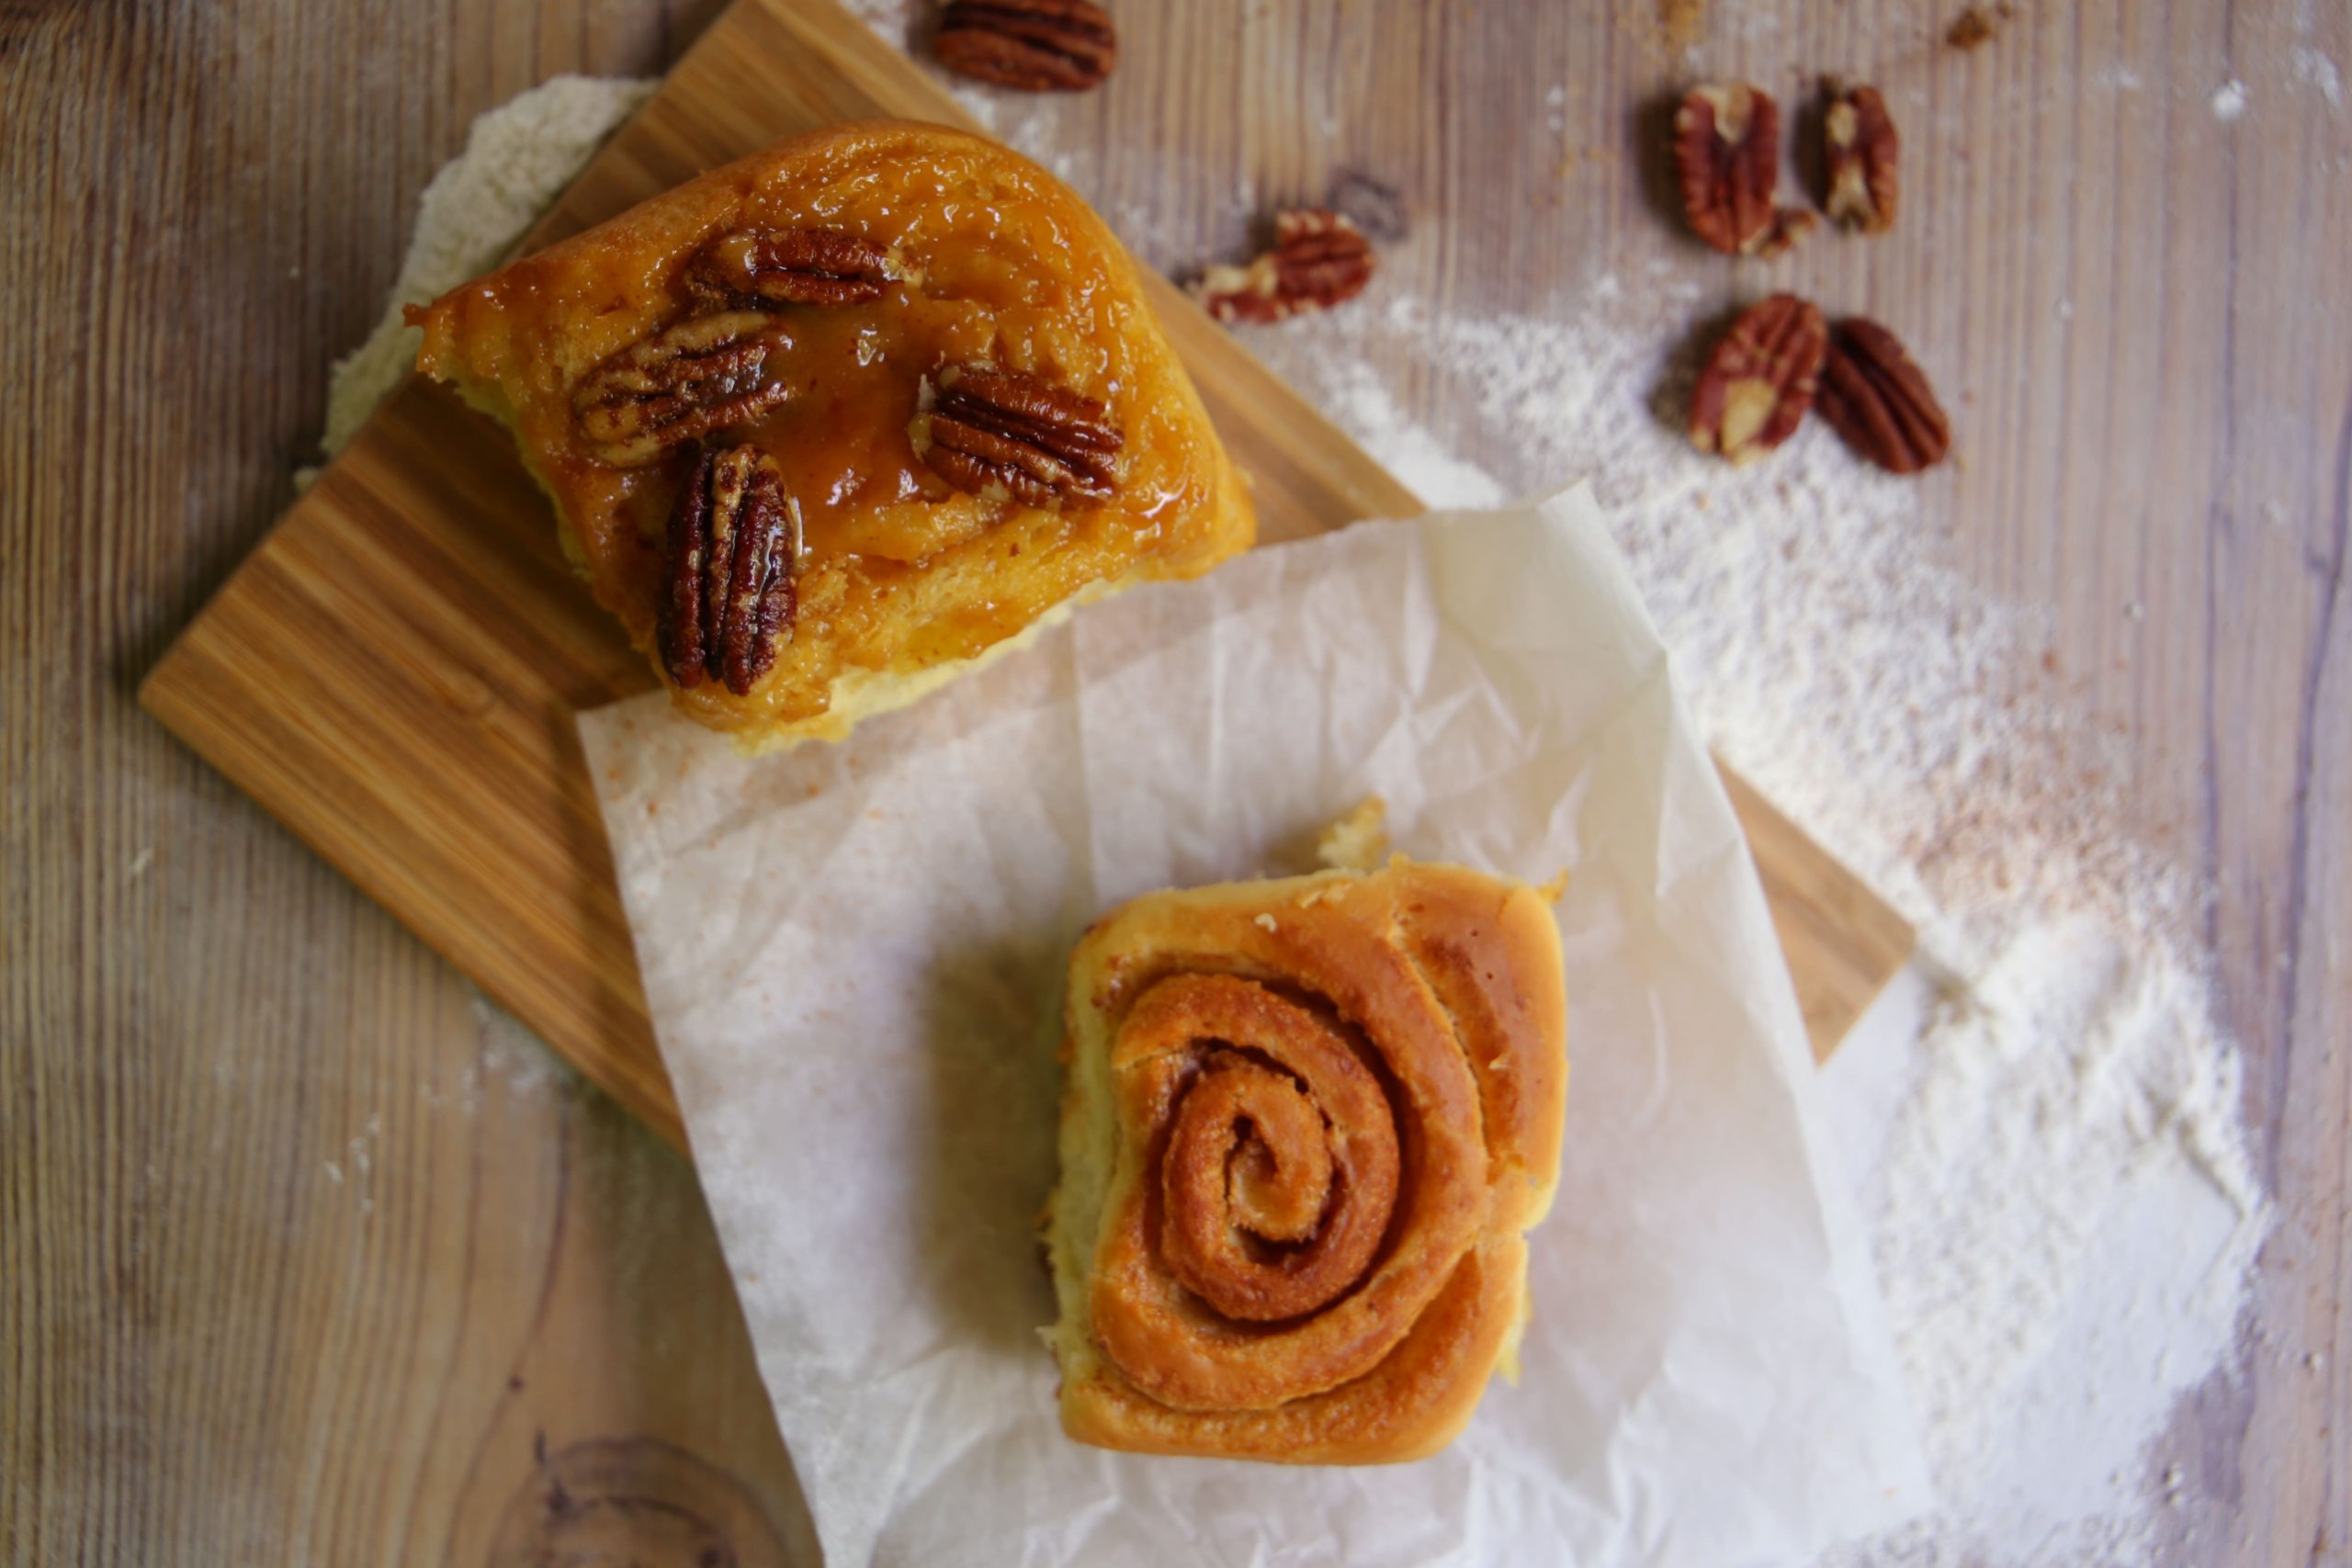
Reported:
(853, 956)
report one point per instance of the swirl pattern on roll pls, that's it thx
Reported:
(1321, 1112)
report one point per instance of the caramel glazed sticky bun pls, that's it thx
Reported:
(833, 424)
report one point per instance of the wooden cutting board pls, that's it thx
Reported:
(395, 671)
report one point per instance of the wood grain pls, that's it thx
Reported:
(394, 671)
(209, 1350)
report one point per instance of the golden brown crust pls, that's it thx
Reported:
(1260, 1073)
(987, 263)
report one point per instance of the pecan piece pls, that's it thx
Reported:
(1861, 147)
(678, 385)
(789, 266)
(1759, 380)
(1320, 259)
(1790, 226)
(1037, 46)
(733, 561)
(1875, 395)
(994, 432)
(1971, 28)
(1727, 156)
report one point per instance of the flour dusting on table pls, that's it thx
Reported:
(2065, 1214)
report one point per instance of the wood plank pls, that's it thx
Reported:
(393, 674)
(1850, 940)
(212, 1351)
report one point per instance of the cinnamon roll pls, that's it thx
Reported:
(1306, 1124)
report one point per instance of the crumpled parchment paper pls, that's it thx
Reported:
(853, 955)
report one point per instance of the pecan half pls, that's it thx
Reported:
(1319, 260)
(994, 432)
(1861, 149)
(789, 266)
(733, 560)
(1759, 380)
(1726, 157)
(1875, 395)
(1037, 46)
(678, 385)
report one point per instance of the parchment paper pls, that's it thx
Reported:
(853, 956)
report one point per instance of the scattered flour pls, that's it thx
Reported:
(2229, 100)
(2065, 1212)
(512, 1060)
(2316, 70)
(2066, 1216)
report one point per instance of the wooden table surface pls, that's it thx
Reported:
(306, 1256)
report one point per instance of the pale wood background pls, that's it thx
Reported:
(306, 1256)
